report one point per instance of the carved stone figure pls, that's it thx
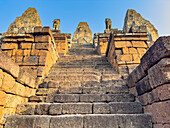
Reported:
(56, 24)
(108, 23)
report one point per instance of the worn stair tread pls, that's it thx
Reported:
(80, 121)
(93, 98)
(79, 108)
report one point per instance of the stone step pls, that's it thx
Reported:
(91, 98)
(79, 108)
(84, 77)
(80, 121)
(82, 90)
(47, 83)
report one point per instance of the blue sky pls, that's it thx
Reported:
(71, 12)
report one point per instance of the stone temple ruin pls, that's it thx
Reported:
(119, 80)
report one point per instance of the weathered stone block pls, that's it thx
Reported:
(8, 65)
(42, 109)
(8, 82)
(77, 108)
(66, 98)
(125, 57)
(139, 44)
(42, 46)
(66, 121)
(30, 60)
(125, 50)
(25, 109)
(9, 46)
(132, 51)
(34, 52)
(146, 98)
(42, 122)
(143, 86)
(92, 98)
(3, 98)
(141, 50)
(161, 93)
(18, 89)
(43, 39)
(101, 108)
(120, 97)
(159, 73)
(55, 109)
(17, 121)
(125, 108)
(160, 49)
(121, 44)
(160, 112)
(26, 45)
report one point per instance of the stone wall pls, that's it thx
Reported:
(34, 53)
(103, 39)
(124, 51)
(150, 82)
(61, 43)
(16, 85)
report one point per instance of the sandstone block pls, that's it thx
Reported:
(125, 50)
(119, 97)
(132, 51)
(92, 98)
(30, 60)
(66, 121)
(26, 45)
(42, 109)
(25, 109)
(101, 108)
(139, 44)
(17, 121)
(19, 52)
(161, 93)
(135, 76)
(125, 108)
(8, 65)
(34, 52)
(121, 44)
(3, 98)
(42, 122)
(12, 101)
(160, 49)
(66, 98)
(160, 112)
(141, 50)
(19, 60)
(77, 108)
(8, 82)
(42, 39)
(162, 71)
(18, 89)
(9, 52)
(146, 98)
(9, 46)
(143, 85)
(55, 109)
(42, 46)
(126, 57)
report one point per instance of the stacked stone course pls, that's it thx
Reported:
(16, 86)
(149, 82)
(128, 48)
(35, 53)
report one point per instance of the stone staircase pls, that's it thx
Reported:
(82, 90)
